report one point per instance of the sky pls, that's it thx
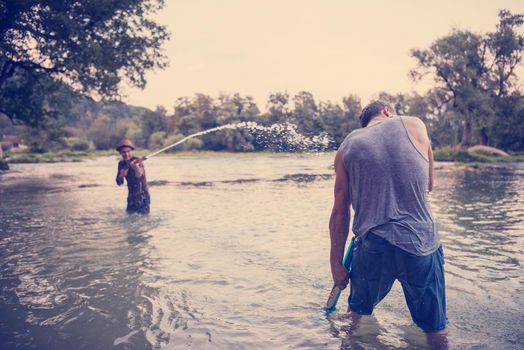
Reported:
(331, 48)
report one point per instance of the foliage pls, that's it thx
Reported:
(457, 154)
(156, 140)
(475, 98)
(475, 77)
(51, 49)
(77, 144)
(50, 136)
(106, 133)
(48, 157)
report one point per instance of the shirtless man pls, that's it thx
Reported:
(385, 171)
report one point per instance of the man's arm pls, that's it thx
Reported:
(339, 223)
(121, 173)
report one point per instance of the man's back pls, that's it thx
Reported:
(384, 170)
(388, 185)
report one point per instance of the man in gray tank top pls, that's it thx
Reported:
(384, 170)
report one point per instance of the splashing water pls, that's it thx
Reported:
(285, 136)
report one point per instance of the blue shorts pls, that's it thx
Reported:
(377, 264)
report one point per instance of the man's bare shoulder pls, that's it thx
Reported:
(417, 131)
(414, 121)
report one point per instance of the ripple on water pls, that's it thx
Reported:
(241, 263)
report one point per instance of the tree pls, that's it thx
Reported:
(193, 115)
(231, 109)
(305, 114)
(106, 133)
(333, 122)
(459, 67)
(278, 110)
(398, 102)
(339, 121)
(49, 46)
(153, 122)
(473, 72)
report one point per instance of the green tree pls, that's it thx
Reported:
(338, 121)
(474, 74)
(236, 108)
(459, 67)
(278, 109)
(152, 122)
(105, 133)
(508, 132)
(193, 114)
(48, 137)
(231, 109)
(352, 108)
(85, 46)
(305, 113)
(333, 122)
(156, 140)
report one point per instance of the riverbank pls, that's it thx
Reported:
(442, 155)
(79, 156)
(476, 154)
(55, 157)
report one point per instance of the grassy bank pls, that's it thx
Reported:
(78, 156)
(443, 154)
(54, 157)
(467, 156)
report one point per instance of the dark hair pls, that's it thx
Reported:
(371, 110)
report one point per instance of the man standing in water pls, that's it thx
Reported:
(132, 169)
(385, 171)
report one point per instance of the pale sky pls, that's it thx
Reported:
(331, 48)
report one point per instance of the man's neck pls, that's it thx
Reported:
(379, 118)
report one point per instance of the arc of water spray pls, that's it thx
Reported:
(200, 133)
(290, 128)
(183, 140)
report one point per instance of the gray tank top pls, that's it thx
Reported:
(388, 187)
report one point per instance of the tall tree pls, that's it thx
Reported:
(278, 109)
(305, 113)
(338, 121)
(85, 46)
(473, 71)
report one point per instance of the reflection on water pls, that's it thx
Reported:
(235, 255)
(481, 217)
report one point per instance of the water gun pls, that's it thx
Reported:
(332, 301)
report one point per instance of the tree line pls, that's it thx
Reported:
(55, 54)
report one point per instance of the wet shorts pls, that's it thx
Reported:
(377, 264)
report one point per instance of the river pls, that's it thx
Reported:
(234, 255)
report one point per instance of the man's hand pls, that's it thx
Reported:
(122, 173)
(137, 167)
(340, 275)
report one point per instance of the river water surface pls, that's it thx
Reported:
(234, 255)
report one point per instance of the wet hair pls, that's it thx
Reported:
(371, 110)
